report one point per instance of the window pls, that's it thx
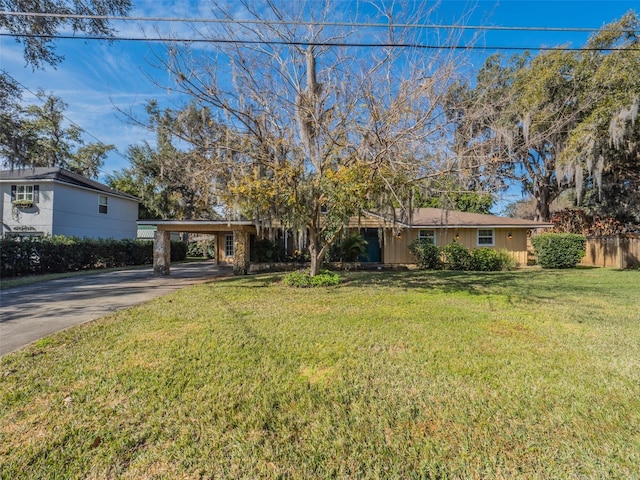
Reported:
(25, 193)
(485, 238)
(429, 235)
(228, 245)
(103, 204)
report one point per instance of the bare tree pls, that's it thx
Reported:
(320, 124)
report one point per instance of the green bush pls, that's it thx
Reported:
(178, 251)
(507, 262)
(457, 257)
(194, 249)
(559, 250)
(352, 247)
(485, 260)
(264, 250)
(297, 278)
(349, 249)
(426, 253)
(325, 278)
(201, 249)
(60, 254)
(303, 279)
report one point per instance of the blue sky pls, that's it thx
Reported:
(96, 77)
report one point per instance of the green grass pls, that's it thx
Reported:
(525, 374)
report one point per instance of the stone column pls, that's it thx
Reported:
(240, 252)
(161, 252)
(216, 250)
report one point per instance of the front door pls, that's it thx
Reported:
(374, 252)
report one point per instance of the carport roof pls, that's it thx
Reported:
(195, 222)
(197, 226)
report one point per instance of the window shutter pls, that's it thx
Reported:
(13, 192)
(36, 193)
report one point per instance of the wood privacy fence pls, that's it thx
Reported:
(615, 251)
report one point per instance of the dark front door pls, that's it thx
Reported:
(374, 252)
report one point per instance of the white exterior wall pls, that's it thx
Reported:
(34, 220)
(68, 210)
(76, 214)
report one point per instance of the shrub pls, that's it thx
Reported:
(178, 251)
(325, 278)
(264, 250)
(62, 254)
(302, 279)
(507, 262)
(349, 249)
(559, 250)
(489, 260)
(485, 260)
(299, 256)
(194, 249)
(352, 247)
(426, 253)
(297, 278)
(457, 257)
(201, 249)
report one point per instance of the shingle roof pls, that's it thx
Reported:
(440, 218)
(60, 175)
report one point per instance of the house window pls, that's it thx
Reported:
(228, 245)
(429, 235)
(103, 204)
(485, 238)
(24, 192)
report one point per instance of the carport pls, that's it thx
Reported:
(229, 236)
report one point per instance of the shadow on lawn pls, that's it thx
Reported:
(524, 285)
(529, 285)
(479, 283)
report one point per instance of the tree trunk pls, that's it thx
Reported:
(314, 253)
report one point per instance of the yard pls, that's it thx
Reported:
(525, 374)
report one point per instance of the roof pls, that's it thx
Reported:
(441, 218)
(187, 223)
(60, 175)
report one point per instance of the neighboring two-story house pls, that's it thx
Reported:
(53, 201)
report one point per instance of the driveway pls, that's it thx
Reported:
(31, 312)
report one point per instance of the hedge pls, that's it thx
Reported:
(559, 250)
(66, 254)
(456, 256)
(427, 254)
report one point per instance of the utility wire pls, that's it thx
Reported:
(306, 23)
(311, 43)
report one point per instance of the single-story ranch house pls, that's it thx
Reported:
(387, 239)
(53, 201)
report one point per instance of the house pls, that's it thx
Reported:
(53, 201)
(388, 239)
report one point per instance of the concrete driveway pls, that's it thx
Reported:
(31, 312)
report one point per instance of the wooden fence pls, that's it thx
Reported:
(616, 251)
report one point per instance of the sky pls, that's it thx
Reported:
(98, 78)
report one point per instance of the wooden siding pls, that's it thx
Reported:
(617, 251)
(396, 248)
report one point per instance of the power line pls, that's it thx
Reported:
(312, 43)
(307, 24)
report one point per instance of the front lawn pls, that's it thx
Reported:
(525, 374)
